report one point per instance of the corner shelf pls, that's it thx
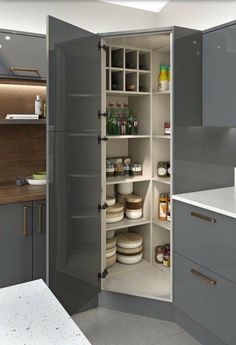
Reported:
(161, 136)
(165, 180)
(163, 224)
(127, 223)
(127, 93)
(123, 179)
(128, 136)
(161, 92)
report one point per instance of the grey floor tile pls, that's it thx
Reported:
(109, 327)
(180, 339)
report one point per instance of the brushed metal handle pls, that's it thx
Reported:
(26, 222)
(40, 227)
(203, 217)
(204, 278)
(25, 69)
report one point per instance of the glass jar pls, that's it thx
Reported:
(162, 169)
(167, 128)
(159, 254)
(136, 170)
(119, 169)
(110, 170)
(126, 169)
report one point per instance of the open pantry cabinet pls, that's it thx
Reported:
(131, 67)
(87, 73)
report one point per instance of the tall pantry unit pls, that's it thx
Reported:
(82, 70)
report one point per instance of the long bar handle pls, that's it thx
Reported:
(40, 228)
(25, 69)
(203, 217)
(204, 278)
(26, 221)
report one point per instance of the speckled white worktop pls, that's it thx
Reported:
(31, 315)
(222, 200)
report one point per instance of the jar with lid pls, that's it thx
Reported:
(168, 216)
(136, 169)
(162, 169)
(126, 169)
(159, 254)
(166, 255)
(163, 82)
(167, 128)
(119, 169)
(163, 202)
(110, 170)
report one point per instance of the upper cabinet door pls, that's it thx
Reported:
(219, 76)
(23, 56)
(74, 77)
(74, 165)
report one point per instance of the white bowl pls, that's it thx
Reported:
(129, 260)
(115, 219)
(125, 188)
(134, 214)
(33, 182)
(110, 252)
(129, 245)
(110, 201)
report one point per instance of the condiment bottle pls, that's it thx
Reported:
(167, 128)
(162, 169)
(168, 216)
(163, 83)
(163, 201)
(159, 254)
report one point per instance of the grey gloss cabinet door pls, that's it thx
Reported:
(39, 240)
(219, 75)
(74, 165)
(23, 56)
(15, 243)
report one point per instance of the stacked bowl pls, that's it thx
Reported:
(129, 248)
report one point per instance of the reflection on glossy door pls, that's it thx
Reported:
(74, 165)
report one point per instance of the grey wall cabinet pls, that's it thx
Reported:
(15, 243)
(22, 56)
(22, 242)
(39, 240)
(219, 75)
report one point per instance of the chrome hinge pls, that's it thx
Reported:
(102, 275)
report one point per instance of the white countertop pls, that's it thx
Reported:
(31, 315)
(222, 200)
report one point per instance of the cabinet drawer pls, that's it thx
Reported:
(212, 306)
(211, 245)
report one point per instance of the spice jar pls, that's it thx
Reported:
(163, 203)
(110, 170)
(167, 128)
(136, 169)
(127, 169)
(159, 252)
(119, 169)
(162, 169)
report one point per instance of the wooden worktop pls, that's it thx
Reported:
(10, 193)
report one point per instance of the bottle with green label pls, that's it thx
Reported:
(163, 83)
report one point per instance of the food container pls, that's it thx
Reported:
(129, 259)
(111, 261)
(110, 170)
(110, 201)
(134, 214)
(129, 240)
(125, 188)
(129, 251)
(127, 169)
(110, 252)
(167, 128)
(119, 169)
(136, 169)
(121, 198)
(110, 243)
(115, 213)
(162, 169)
(134, 202)
(110, 234)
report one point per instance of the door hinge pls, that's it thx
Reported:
(102, 207)
(102, 46)
(102, 275)
(102, 139)
(100, 114)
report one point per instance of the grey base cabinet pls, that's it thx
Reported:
(22, 242)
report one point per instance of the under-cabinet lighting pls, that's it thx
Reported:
(151, 6)
(7, 38)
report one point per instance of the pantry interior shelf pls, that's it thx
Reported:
(161, 92)
(125, 223)
(162, 223)
(126, 93)
(128, 136)
(161, 136)
(123, 179)
(165, 180)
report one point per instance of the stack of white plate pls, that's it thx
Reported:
(115, 213)
(129, 248)
(110, 252)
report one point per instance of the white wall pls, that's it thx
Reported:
(197, 14)
(91, 15)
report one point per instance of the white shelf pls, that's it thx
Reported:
(161, 136)
(123, 179)
(127, 223)
(128, 136)
(162, 223)
(126, 93)
(165, 180)
(142, 279)
(161, 93)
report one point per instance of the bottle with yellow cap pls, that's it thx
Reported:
(163, 82)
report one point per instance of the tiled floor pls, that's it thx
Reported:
(109, 327)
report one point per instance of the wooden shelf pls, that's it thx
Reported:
(128, 136)
(22, 122)
(162, 223)
(165, 180)
(127, 223)
(124, 179)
